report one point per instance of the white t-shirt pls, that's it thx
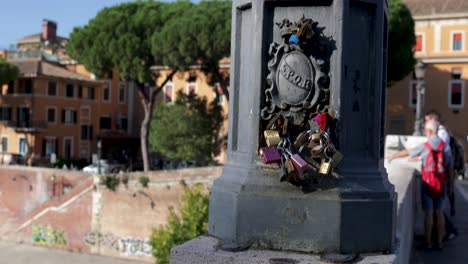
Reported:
(443, 134)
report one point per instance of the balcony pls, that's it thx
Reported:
(26, 126)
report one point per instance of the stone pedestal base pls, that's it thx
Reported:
(205, 250)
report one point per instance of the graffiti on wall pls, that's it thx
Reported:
(47, 236)
(125, 246)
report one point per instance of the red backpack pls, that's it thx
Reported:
(433, 171)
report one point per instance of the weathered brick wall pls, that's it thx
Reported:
(129, 214)
(23, 189)
(90, 218)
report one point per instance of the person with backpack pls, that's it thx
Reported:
(452, 144)
(443, 133)
(436, 159)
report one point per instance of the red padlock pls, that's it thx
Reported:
(322, 121)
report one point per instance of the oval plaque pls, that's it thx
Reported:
(295, 78)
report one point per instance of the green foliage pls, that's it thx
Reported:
(125, 180)
(118, 38)
(401, 40)
(8, 72)
(110, 181)
(132, 37)
(202, 35)
(188, 129)
(144, 181)
(189, 224)
(77, 163)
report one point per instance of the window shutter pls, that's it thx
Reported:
(418, 45)
(9, 113)
(18, 116)
(74, 117)
(63, 115)
(44, 145)
(91, 93)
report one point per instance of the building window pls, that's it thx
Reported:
(105, 123)
(70, 90)
(91, 93)
(457, 41)
(419, 44)
(23, 116)
(23, 146)
(49, 146)
(80, 91)
(122, 87)
(4, 144)
(5, 113)
(123, 124)
(51, 115)
(11, 87)
(25, 86)
(68, 148)
(168, 92)
(456, 93)
(52, 88)
(68, 116)
(86, 132)
(106, 92)
(192, 88)
(413, 94)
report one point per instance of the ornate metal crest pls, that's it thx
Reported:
(298, 79)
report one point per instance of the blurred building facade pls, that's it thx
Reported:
(441, 29)
(57, 106)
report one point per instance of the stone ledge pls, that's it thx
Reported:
(204, 250)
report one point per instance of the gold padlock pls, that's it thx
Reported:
(315, 136)
(337, 158)
(315, 140)
(284, 130)
(272, 137)
(316, 149)
(325, 167)
(289, 165)
(301, 140)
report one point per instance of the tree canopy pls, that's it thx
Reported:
(132, 37)
(401, 41)
(8, 72)
(118, 38)
(187, 130)
(201, 36)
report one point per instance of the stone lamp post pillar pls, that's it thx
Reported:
(249, 206)
(419, 72)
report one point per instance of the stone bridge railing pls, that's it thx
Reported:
(404, 174)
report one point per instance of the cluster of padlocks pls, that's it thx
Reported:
(300, 150)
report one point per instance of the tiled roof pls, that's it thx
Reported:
(437, 7)
(37, 38)
(33, 68)
(30, 39)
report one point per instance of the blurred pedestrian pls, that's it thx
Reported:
(443, 133)
(432, 202)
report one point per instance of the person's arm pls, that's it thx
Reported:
(444, 135)
(401, 154)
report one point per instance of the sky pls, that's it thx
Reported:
(21, 18)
